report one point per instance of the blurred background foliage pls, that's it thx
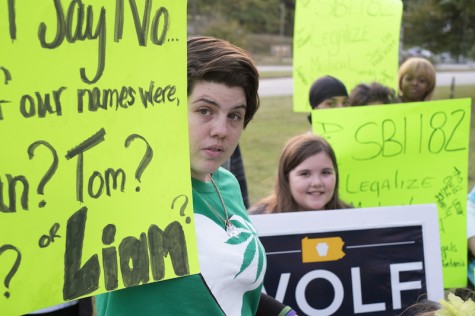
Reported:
(442, 29)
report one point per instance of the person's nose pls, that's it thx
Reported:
(219, 127)
(316, 181)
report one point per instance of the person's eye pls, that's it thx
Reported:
(333, 103)
(235, 116)
(327, 172)
(304, 173)
(204, 111)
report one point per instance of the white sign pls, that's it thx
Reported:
(369, 261)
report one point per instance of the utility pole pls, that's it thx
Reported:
(192, 29)
(282, 19)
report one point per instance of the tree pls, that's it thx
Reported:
(441, 25)
(254, 16)
(241, 21)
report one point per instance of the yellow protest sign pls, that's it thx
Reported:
(402, 154)
(94, 167)
(356, 41)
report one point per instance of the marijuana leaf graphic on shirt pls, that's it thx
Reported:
(247, 234)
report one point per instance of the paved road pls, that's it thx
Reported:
(284, 86)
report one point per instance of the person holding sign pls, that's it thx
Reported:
(327, 92)
(372, 94)
(222, 99)
(307, 178)
(416, 79)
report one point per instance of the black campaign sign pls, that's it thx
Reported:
(368, 272)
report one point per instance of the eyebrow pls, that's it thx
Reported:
(214, 103)
(205, 100)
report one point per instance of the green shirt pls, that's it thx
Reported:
(232, 267)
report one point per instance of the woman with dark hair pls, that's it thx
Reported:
(372, 94)
(307, 178)
(327, 92)
(222, 99)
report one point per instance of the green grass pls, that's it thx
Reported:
(275, 122)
